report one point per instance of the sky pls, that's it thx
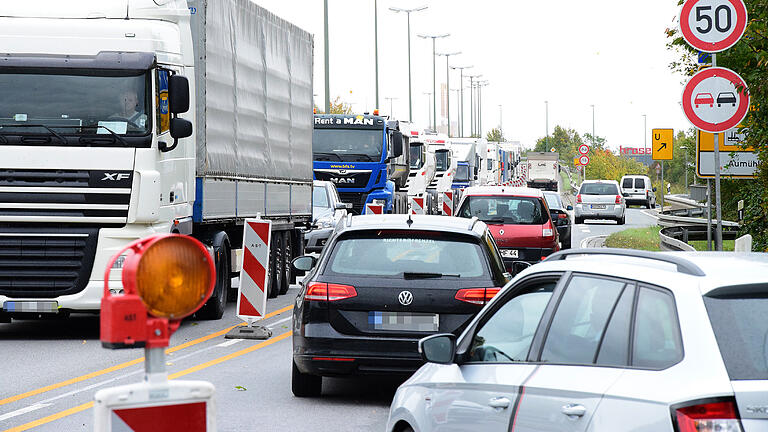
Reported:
(570, 53)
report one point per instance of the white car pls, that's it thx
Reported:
(638, 189)
(604, 340)
(600, 199)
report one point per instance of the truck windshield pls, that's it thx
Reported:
(415, 155)
(46, 101)
(462, 173)
(442, 160)
(347, 145)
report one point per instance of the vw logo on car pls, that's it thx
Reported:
(405, 298)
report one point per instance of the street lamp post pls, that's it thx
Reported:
(546, 121)
(434, 88)
(472, 102)
(376, 45)
(429, 108)
(391, 109)
(461, 110)
(408, 14)
(448, 87)
(327, 62)
(480, 86)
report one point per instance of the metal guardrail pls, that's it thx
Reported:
(679, 226)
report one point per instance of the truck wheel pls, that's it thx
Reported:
(279, 262)
(214, 308)
(305, 385)
(287, 258)
(274, 288)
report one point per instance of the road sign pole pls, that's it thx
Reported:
(662, 186)
(718, 203)
(709, 215)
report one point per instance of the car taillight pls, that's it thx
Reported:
(547, 232)
(618, 199)
(478, 296)
(578, 199)
(318, 291)
(715, 416)
(646, 193)
(562, 216)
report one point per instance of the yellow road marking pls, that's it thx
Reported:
(128, 363)
(88, 405)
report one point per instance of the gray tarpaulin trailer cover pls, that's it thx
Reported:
(254, 110)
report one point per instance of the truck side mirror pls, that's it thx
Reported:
(397, 144)
(178, 94)
(180, 128)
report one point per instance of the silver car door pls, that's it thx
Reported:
(566, 389)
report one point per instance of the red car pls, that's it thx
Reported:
(704, 99)
(519, 220)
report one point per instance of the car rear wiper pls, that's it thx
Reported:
(25, 125)
(494, 220)
(420, 275)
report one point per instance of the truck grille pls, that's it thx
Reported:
(345, 179)
(65, 196)
(356, 199)
(46, 264)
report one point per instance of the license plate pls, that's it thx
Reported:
(31, 306)
(404, 321)
(597, 206)
(510, 253)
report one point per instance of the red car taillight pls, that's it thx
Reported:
(618, 199)
(478, 296)
(319, 291)
(715, 416)
(578, 199)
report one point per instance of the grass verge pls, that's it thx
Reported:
(648, 239)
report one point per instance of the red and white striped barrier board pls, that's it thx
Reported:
(447, 203)
(252, 295)
(374, 209)
(417, 205)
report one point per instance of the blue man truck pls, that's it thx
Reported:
(365, 156)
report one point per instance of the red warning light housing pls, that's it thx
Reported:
(174, 264)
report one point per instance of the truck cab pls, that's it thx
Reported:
(422, 165)
(365, 157)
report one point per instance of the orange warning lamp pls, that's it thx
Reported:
(165, 278)
(376, 111)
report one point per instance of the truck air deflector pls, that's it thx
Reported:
(134, 61)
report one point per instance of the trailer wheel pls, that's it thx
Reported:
(215, 306)
(287, 258)
(274, 288)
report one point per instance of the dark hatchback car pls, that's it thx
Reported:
(560, 217)
(382, 283)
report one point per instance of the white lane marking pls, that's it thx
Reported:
(274, 324)
(24, 410)
(585, 230)
(229, 343)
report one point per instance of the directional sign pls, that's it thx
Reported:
(583, 149)
(716, 99)
(661, 143)
(584, 160)
(735, 161)
(713, 25)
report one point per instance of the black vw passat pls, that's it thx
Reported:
(381, 284)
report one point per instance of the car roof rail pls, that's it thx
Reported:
(473, 222)
(683, 265)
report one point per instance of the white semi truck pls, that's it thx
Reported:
(423, 166)
(126, 118)
(543, 170)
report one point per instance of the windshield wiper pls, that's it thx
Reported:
(25, 125)
(494, 220)
(370, 159)
(419, 275)
(117, 136)
(326, 154)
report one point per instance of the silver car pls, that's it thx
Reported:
(600, 199)
(604, 340)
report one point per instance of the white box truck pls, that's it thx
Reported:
(543, 170)
(126, 118)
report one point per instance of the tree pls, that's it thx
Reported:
(565, 142)
(749, 58)
(337, 107)
(494, 135)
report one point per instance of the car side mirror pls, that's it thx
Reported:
(304, 263)
(397, 144)
(654, 189)
(439, 348)
(570, 207)
(519, 266)
(178, 94)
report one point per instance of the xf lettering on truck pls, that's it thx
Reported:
(344, 121)
(115, 176)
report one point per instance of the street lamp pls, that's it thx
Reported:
(376, 45)
(472, 102)
(327, 62)
(429, 108)
(434, 89)
(448, 87)
(391, 110)
(546, 138)
(480, 86)
(461, 110)
(408, 14)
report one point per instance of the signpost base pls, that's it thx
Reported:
(249, 332)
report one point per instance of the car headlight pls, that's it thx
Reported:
(325, 223)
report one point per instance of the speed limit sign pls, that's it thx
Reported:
(713, 25)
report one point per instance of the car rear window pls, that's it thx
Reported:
(391, 253)
(627, 183)
(639, 183)
(738, 317)
(598, 189)
(505, 209)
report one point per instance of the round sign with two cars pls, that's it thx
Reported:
(713, 25)
(716, 99)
